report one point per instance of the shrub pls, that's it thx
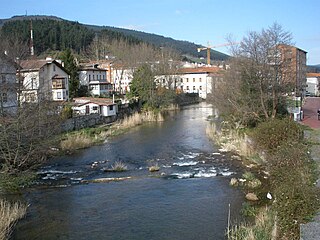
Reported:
(67, 112)
(248, 210)
(13, 182)
(292, 180)
(270, 135)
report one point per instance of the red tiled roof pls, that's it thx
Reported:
(200, 70)
(36, 64)
(99, 101)
(313, 74)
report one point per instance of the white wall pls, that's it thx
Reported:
(312, 86)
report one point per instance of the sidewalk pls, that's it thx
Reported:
(310, 115)
(311, 230)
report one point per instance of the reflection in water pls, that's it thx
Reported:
(187, 199)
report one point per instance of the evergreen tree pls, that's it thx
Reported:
(72, 69)
(143, 85)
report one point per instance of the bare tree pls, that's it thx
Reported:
(255, 84)
(26, 133)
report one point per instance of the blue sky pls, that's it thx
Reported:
(198, 21)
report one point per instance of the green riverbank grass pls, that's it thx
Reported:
(14, 182)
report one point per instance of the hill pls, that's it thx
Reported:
(313, 68)
(186, 48)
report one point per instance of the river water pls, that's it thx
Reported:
(187, 199)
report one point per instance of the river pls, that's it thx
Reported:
(187, 199)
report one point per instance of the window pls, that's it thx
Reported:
(111, 107)
(187, 79)
(194, 88)
(33, 83)
(200, 88)
(32, 97)
(58, 95)
(95, 108)
(187, 87)
(4, 97)
(89, 77)
(93, 77)
(200, 80)
(194, 80)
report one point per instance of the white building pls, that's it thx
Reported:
(313, 84)
(95, 80)
(103, 106)
(8, 86)
(200, 80)
(121, 79)
(43, 80)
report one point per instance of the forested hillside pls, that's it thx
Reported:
(53, 33)
(184, 47)
(49, 34)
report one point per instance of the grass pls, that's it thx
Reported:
(10, 213)
(76, 141)
(118, 166)
(264, 228)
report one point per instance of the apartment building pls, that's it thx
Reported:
(95, 79)
(294, 68)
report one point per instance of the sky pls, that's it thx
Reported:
(198, 21)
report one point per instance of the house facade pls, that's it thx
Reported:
(313, 84)
(8, 86)
(95, 79)
(200, 80)
(102, 106)
(43, 80)
(121, 78)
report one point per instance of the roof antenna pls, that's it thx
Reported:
(31, 39)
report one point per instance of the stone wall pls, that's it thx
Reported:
(85, 121)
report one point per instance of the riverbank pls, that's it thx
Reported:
(90, 136)
(276, 151)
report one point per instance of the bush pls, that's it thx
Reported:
(14, 182)
(292, 180)
(270, 135)
(248, 210)
(66, 112)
